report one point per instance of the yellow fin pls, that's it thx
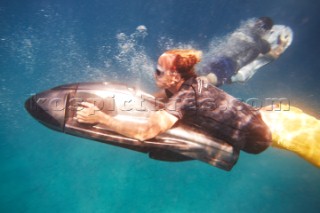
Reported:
(295, 131)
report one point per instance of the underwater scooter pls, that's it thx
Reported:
(56, 108)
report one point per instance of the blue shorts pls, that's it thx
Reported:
(222, 67)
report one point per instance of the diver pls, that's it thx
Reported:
(239, 49)
(195, 102)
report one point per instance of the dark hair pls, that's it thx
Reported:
(264, 23)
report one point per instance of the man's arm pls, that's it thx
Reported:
(276, 52)
(158, 122)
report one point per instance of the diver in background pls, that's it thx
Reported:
(197, 103)
(280, 38)
(241, 48)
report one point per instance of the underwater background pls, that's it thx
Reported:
(46, 43)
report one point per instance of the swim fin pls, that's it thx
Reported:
(294, 130)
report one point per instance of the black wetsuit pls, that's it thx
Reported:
(221, 115)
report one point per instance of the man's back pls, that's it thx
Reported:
(211, 109)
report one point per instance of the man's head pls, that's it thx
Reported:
(264, 23)
(175, 66)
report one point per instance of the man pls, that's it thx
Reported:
(241, 48)
(192, 102)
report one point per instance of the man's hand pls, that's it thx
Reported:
(88, 113)
(283, 40)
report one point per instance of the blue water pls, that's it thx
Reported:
(45, 43)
